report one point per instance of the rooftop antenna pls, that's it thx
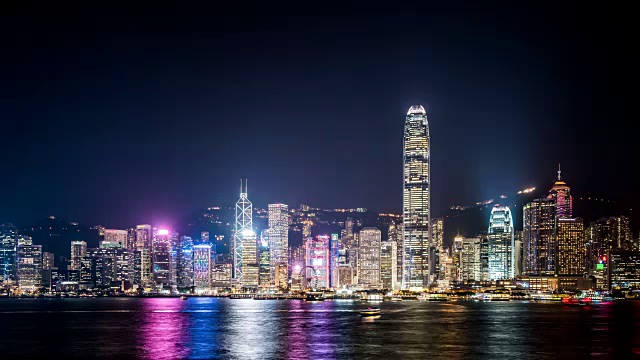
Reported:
(559, 172)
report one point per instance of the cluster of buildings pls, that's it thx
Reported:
(554, 250)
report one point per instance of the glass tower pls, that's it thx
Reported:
(501, 256)
(416, 200)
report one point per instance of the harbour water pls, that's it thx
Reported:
(219, 328)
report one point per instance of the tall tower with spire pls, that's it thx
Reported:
(244, 224)
(561, 194)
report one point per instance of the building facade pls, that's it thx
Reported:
(538, 237)
(416, 199)
(244, 222)
(389, 265)
(471, 269)
(500, 243)
(369, 258)
(572, 251)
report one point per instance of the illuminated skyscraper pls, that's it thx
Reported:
(266, 273)
(202, 264)
(244, 222)
(185, 262)
(278, 234)
(571, 247)
(395, 235)
(29, 264)
(416, 199)
(470, 266)
(437, 232)
(389, 265)
(561, 194)
(144, 266)
(8, 246)
(369, 258)
(500, 243)
(317, 274)
(162, 264)
(250, 265)
(78, 251)
(538, 237)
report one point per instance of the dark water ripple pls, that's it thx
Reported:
(209, 328)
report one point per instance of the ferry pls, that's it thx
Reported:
(183, 297)
(370, 312)
(438, 297)
(314, 297)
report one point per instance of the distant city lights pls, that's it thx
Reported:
(526, 191)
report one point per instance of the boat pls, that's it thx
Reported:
(396, 298)
(183, 297)
(314, 297)
(370, 312)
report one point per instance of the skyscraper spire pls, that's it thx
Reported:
(559, 172)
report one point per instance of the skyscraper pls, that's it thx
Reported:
(561, 194)
(162, 264)
(8, 244)
(571, 247)
(317, 272)
(78, 251)
(470, 266)
(369, 258)
(29, 264)
(388, 265)
(250, 265)
(416, 199)
(278, 235)
(437, 232)
(144, 268)
(501, 256)
(244, 222)
(185, 262)
(202, 266)
(538, 237)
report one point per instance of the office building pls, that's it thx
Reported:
(185, 262)
(470, 266)
(624, 270)
(500, 243)
(416, 200)
(202, 264)
(29, 264)
(369, 258)
(250, 266)
(317, 269)
(389, 265)
(144, 241)
(266, 274)
(571, 247)
(78, 251)
(8, 248)
(278, 233)
(538, 237)
(162, 264)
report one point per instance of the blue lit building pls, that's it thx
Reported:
(500, 243)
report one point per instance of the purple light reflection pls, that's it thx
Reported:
(163, 331)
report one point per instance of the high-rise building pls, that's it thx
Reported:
(395, 234)
(500, 242)
(334, 255)
(250, 266)
(484, 256)
(456, 257)
(265, 273)
(8, 248)
(348, 226)
(560, 193)
(278, 234)
(144, 240)
(517, 253)
(162, 257)
(244, 223)
(185, 262)
(437, 233)
(538, 237)
(571, 247)
(416, 199)
(317, 270)
(389, 265)
(29, 265)
(624, 269)
(116, 238)
(369, 258)
(470, 267)
(202, 264)
(78, 251)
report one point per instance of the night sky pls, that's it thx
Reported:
(145, 114)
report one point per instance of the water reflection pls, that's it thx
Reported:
(163, 329)
(252, 330)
